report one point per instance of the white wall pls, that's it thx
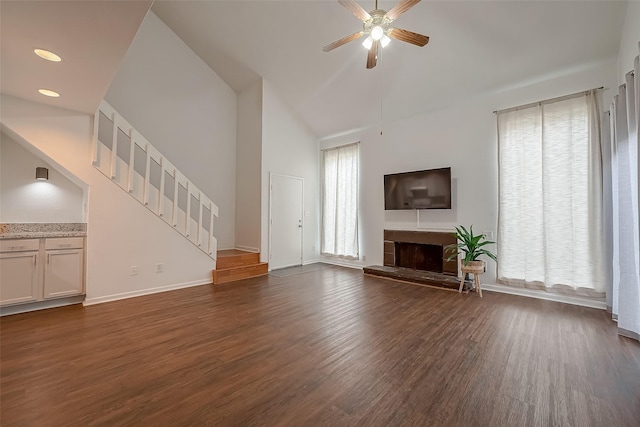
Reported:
(289, 148)
(629, 40)
(23, 199)
(185, 110)
(249, 167)
(462, 137)
(120, 231)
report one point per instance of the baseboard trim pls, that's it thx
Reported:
(531, 293)
(247, 249)
(40, 305)
(628, 334)
(340, 263)
(142, 292)
(311, 261)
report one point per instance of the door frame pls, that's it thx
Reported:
(271, 176)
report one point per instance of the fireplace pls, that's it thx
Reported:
(426, 246)
(418, 257)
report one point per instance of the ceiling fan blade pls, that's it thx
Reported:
(408, 36)
(401, 8)
(342, 41)
(372, 56)
(356, 9)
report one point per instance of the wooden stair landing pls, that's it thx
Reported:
(233, 264)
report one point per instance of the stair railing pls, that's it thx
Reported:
(130, 161)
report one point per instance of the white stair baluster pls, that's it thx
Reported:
(132, 153)
(161, 195)
(96, 122)
(199, 233)
(211, 248)
(114, 147)
(187, 219)
(174, 214)
(147, 176)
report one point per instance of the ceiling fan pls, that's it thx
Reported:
(375, 26)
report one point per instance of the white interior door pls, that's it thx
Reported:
(285, 231)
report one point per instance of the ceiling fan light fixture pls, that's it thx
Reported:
(367, 43)
(377, 32)
(376, 29)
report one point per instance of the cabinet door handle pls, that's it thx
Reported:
(48, 258)
(65, 245)
(35, 260)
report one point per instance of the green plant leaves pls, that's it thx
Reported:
(472, 246)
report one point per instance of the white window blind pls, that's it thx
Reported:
(550, 198)
(340, 201)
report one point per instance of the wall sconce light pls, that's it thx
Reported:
(42, 174)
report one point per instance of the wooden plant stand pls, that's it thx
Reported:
(476, 268)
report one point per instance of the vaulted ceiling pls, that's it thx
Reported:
(475, 47)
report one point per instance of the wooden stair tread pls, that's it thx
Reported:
(235, 258)
(232, 274)
(232, 252)
(234, 264)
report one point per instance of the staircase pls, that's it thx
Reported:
(233, 264)
(136, 166)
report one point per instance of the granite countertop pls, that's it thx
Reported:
(40, 230)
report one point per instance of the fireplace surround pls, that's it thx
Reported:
(418, 257)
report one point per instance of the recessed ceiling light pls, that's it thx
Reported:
(49, 56)
(47, 92)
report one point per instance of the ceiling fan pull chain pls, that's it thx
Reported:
(380, 72)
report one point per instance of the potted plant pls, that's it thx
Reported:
(472, 247)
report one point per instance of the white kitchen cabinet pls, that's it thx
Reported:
(19, 277)
(34, 270)
(64, 268)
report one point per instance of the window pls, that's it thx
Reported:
(340, 201)
(550, 196)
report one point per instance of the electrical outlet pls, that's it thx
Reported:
(159, 267)
(134, 270)
(488, 234)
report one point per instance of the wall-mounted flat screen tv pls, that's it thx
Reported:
(428, 189)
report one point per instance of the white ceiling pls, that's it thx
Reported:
(91, 37)
(475, 47)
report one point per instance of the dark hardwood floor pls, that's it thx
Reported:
(327, 346)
